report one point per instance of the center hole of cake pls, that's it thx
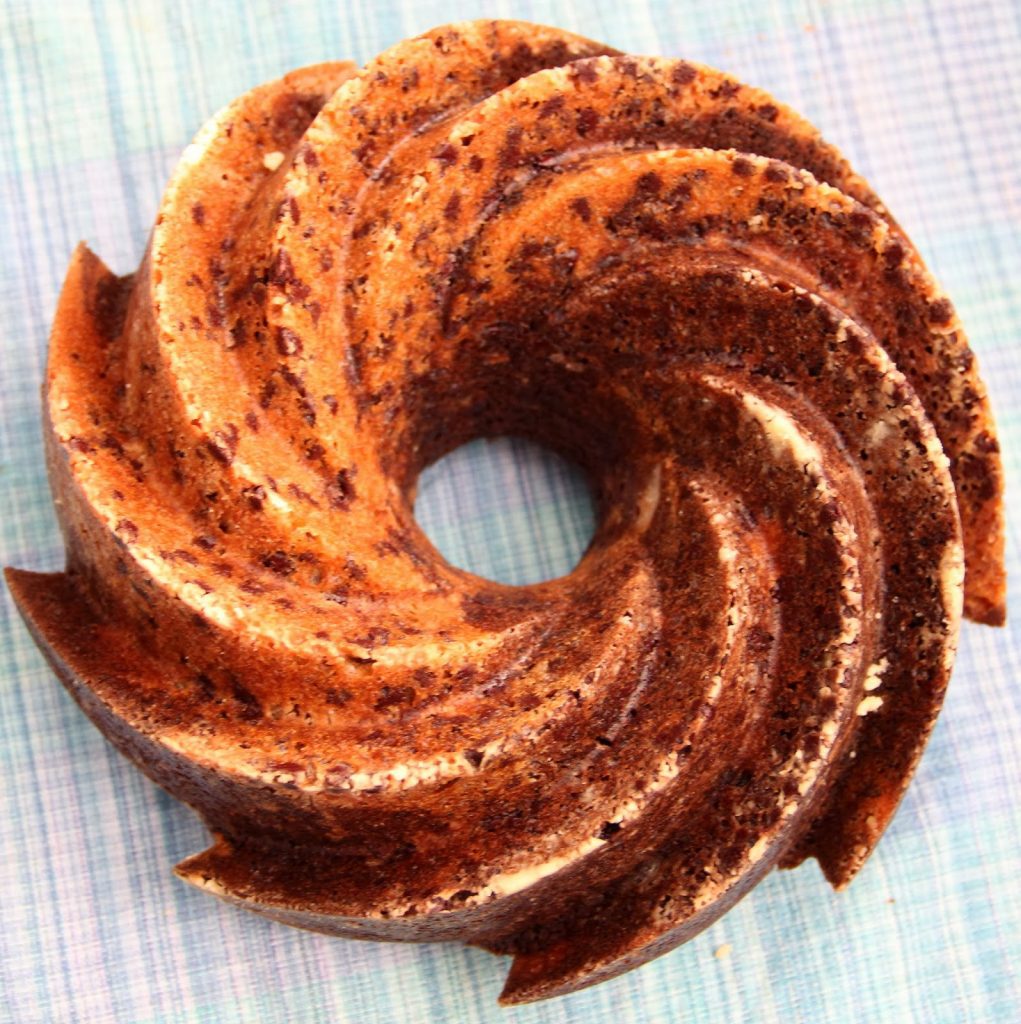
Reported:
(507, 509)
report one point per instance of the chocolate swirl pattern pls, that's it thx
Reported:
(661, 273)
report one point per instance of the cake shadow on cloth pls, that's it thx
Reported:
(664, 275)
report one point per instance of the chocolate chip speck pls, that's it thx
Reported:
(609, 829)
(279, 562)
(683, 73)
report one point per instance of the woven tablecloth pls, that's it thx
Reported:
(96, 102)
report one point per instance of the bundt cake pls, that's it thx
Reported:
(664, 275)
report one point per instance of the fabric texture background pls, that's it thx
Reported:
(97, 100)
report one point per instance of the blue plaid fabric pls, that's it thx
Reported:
(97, 99)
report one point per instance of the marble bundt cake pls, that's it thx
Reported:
(666, 276)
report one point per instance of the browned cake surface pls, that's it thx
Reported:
(666, 276)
